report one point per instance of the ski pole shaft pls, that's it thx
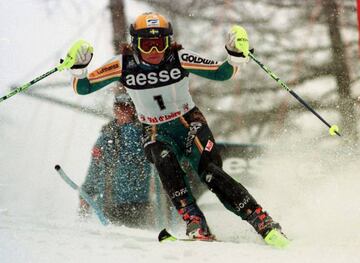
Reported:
(333, 129)
(83, 194)
(27, 85)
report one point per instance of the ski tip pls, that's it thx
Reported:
(276, 239)
(57, 167)
(165, 235)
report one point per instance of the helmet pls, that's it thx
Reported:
(150, 25)
(151, 30)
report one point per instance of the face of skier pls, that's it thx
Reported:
(124, 112)
(152, 50)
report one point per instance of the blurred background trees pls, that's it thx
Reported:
(312, 45)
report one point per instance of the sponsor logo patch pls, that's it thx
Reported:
(164, 153)
(186, 107)
(209, 146)
(179, 193)
(152, 78)
(242, 204)
(195, 59)
(152, 22)
(108, 69)
(193, 129)
(162, 118)
(208, 178)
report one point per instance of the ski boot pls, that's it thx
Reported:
(268, 228)
(196, 226)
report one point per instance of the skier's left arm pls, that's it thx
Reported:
(237, 47)
(204, 67)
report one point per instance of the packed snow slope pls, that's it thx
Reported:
(309, 185)
(311, 188)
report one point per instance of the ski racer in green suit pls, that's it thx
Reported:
(118, 177)
(155, 72)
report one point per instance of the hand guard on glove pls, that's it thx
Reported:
(78, 58)
(237, 46)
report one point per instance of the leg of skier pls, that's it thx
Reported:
(173, 180)
(205, 158)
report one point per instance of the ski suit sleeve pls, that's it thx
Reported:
(99, 78)
(204, 67)
(93, 180)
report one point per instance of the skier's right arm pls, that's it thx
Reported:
(82, 82)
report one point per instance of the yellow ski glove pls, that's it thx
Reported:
(237, 45)
(78, 56)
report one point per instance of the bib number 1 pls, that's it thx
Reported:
(160, 102)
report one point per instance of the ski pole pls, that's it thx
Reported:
(27, 85)
(67, 63)
(83, 194)
(333, 129)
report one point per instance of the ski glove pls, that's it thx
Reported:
(77, 58)
(237, 46)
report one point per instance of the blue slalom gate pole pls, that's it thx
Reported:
(83, 194)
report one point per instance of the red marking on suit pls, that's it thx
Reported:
(209, 146)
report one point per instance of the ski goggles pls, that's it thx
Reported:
(147, 45)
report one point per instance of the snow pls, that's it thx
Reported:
(312, 192)
(311, 188)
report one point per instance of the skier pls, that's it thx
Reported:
(155, 72)
(119, 174)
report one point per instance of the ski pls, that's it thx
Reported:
(274, 239)
(164, 236)
(83, 194)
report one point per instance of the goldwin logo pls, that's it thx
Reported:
(194, 59)
(152, 78)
